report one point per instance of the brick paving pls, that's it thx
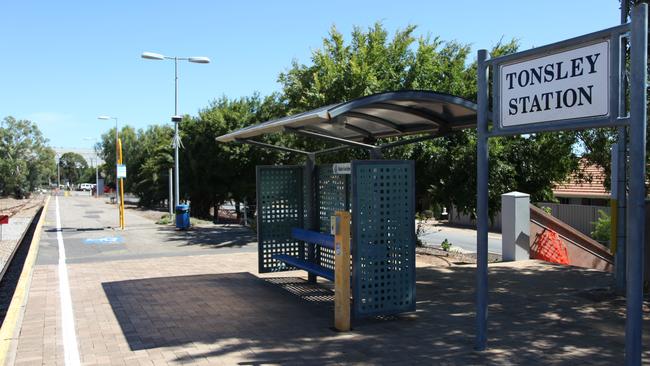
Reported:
(214, 309)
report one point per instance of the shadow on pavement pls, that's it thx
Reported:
(540, 314)
(212, 236)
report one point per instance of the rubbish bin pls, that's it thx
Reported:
(183, 217)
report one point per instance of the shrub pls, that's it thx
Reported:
(602, 227)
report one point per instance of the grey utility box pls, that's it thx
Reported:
(515, 226)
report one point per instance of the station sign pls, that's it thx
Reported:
(565, 84)
(121, 171)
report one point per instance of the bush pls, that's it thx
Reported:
(602, 227)
(445, 245)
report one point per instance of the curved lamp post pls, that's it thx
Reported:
(176, 118)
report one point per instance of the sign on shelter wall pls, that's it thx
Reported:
(570, 84)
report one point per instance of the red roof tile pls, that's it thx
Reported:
(590, 186)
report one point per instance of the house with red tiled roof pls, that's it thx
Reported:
(585, 187)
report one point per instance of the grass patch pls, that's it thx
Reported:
(165, 219)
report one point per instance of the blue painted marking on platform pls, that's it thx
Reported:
(104, 240)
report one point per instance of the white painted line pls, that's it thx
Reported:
(70, 349)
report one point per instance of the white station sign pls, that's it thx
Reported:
(565, 85)
(121, 171)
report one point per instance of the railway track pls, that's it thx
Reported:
(15, 267)
(22, 206)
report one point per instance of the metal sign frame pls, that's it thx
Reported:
(637, 32)
(613, 118)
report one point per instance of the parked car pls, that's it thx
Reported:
(86, 186)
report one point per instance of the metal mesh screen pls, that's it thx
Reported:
(280, 208)
(383, 234)
(333, 195)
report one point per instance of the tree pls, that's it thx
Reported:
(72, 167)
(149, 165)
(212, 173)
(372, 62)
(26, 161)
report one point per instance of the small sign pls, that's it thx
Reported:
(343, 168)
(4, 219)
(565, 85)
(121, 171)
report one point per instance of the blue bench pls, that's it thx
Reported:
(313, 238)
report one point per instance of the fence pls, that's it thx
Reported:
(462, 219)
(580, 217)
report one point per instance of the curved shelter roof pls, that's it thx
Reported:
(361, 122)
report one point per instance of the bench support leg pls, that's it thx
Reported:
(341, 231)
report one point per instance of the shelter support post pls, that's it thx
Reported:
(311, 222)
(636, 198)
(340, 228)
(482, 203)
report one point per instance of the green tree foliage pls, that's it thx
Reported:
(72, 167)
(371, 61)
(147, 154)
(26, 161)
(212, 173)
(446, 167)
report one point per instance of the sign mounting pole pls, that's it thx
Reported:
(636, 197)
(482, 203)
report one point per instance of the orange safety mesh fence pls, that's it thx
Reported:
(548, 247)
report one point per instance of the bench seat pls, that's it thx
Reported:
(305, 265)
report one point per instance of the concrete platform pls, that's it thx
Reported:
(160, 297)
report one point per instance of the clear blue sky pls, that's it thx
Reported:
(63, 63)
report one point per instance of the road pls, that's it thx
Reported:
(462, 238)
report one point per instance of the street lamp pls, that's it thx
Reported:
(117, 197)
(176, 118)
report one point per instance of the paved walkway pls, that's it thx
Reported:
(159, 297)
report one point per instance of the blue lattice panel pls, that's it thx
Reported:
(280, 208)
(383, 232)
(333, 195)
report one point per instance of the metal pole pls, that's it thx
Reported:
(636, 197)
(117, 189)
(621, 168)
(58, 172)
(312, 222)
(482, 204)
(171, 192)
(245, 213)
(96, 179)
(176, 137)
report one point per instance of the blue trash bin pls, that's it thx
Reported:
(183, 217)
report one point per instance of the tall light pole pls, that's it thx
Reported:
(117, 196)
(176, 118)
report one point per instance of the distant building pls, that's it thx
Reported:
(88, 154)
(586, 187)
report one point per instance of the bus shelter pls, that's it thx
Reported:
(295, 203)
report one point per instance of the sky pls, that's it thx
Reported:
(64, 63)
